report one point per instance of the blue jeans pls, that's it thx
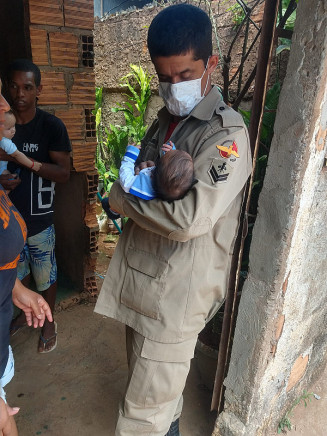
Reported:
(174, 429)
(38, 257)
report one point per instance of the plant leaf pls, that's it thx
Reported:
(283, 47)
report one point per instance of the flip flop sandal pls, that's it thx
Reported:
(45, 341)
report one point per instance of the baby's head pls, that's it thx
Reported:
(173, 175)
(10, 121)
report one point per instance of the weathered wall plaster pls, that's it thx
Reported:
(280, 340)
(120, 40)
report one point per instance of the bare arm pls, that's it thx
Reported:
(59, 168)
(57, 171)
(35, 307)
(26, 161)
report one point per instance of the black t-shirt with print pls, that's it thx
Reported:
(12, 238)
(34, 197)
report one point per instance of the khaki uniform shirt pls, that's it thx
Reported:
(170, 269)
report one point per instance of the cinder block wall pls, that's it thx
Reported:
(61, 44)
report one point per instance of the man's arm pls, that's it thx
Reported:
(205, 203)
(22, 159)
(59, 168)
(57, 171)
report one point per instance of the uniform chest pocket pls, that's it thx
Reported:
(144, 283)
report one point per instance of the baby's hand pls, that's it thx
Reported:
(37, 166)
(137, 145)
(167, 147)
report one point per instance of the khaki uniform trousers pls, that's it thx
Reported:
(156, 380)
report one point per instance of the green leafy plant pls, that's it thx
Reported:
(289, 25)
(238, 14)
(285, 43)
(98, 100)
(138, 92)
(112, 141)
(285, 422)
(98, 112)
(99, 157)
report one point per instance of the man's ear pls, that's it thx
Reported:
(38, 90)
(212, 63)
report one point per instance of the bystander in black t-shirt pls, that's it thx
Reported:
(34, 197)
(12, 238)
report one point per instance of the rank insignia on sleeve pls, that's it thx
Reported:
(219, 171)
(226, 151)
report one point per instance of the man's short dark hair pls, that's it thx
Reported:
(24, 65)
(179, 29)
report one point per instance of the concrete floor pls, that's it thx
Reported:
(75, 390)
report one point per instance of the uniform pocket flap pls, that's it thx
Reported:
(146, 263)
(179, 352)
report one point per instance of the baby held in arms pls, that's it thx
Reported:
(170, 179)
(10, 148)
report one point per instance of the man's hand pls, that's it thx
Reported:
(5, 421)
(34, 305)
(142, 165)
(9, 181)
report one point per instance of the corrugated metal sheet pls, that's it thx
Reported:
(64, 49)
(79, 13)
(47, 12)
(54, 88)
(39, 46)
(74, 121)
(83, 155)
(83, 89)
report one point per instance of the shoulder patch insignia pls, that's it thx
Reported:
(219, 171)
(226, 151)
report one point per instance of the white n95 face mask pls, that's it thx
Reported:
(181, 98)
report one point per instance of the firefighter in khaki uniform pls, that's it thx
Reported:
(170, 270)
